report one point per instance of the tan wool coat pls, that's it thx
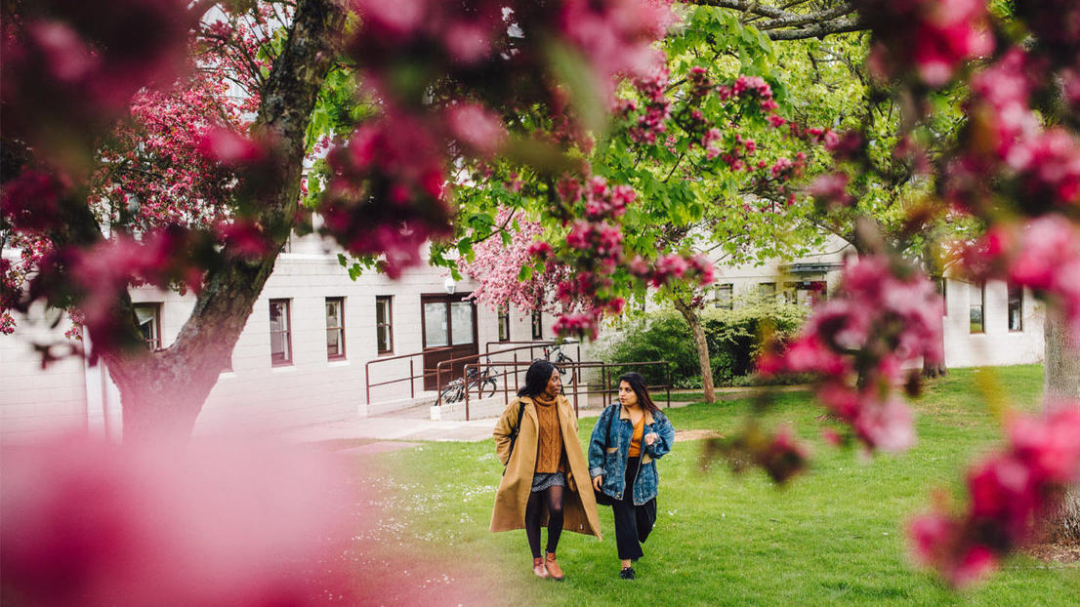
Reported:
(579, 502)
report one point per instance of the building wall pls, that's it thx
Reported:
(70, 395)
(311, 390)
(36, 401)
(997, 345)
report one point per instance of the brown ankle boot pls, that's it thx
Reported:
(553, 567)
(538, 567)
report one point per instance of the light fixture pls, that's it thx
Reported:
(450, 285)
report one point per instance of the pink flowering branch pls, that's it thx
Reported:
(1008, 493)
(883, 317)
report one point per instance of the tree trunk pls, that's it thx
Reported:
(931, 369)
(692, 319)
(1061, 381)
(163, 392)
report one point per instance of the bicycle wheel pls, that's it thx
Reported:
(488, 388)
(565, 363)
(453, 392)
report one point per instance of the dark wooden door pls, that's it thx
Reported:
(447, 320)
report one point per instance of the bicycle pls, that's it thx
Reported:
(485, 384)
(560, 360)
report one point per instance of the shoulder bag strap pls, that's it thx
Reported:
(514, 433)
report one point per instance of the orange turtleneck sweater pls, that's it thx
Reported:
(549, 454)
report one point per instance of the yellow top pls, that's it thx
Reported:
(635, 440)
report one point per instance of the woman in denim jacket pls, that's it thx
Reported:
(626, 441)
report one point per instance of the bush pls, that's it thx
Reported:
(734, 338)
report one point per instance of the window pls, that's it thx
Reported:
(335, 328)
(149, 317)
(977, 305)
(280, 335)
(724, 296)
(504, 323)
(384, 324)
(767, 291)
(943, 290)
(1016, 308)
(537, 324)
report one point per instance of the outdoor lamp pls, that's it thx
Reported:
(449, 285)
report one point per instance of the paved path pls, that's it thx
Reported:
(391, 428)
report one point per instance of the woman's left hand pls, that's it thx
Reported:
(651, 437)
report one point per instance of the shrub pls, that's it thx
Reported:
(734, 338)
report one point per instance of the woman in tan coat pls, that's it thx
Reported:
(547, 476)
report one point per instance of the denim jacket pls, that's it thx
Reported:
(608, 455)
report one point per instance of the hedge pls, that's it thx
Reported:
(734, 338)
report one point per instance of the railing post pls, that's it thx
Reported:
(667, 366)
(573, 384)
(465, 379)
(367, 383)
(412, 379)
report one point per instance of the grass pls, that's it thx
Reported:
(832, 537)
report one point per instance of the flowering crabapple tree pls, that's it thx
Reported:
(1011, 167)
(700, 142)
(448, 82)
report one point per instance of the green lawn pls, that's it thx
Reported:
(834, 536)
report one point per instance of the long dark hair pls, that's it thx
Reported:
(637, 384)
(536, 378)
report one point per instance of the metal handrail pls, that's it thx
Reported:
(411, 378)
(439, 365)
(577, 366)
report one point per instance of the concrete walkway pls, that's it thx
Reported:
(411, 429)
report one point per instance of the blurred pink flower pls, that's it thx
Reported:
(240, 523)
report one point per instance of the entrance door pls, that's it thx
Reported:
(447, 320)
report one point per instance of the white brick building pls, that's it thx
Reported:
(298, 376)
(294, 373)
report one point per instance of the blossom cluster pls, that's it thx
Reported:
(70, 68)
(882, 317)
(928, 39)
(1008, 493)
(1042, 254)
(387, 192)
(238, 523)
(496, 266)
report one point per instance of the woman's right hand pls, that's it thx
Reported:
(597, 481)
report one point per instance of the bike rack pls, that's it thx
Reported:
(530, 346)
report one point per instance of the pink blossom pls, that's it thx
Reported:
(1008, 491)
(238, 523)
(398, 18)
(477, 127)
(467, 42)
(831, 189)
(230, 148)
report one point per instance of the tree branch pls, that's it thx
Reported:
(782, 24)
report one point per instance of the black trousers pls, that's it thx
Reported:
(632, 523)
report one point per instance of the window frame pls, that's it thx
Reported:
(730, 303)
(982, 312)
(340, 301)
(288, 361)
(154, 343)
(768, 297)
(537, 325)
(1009, 306)
(504, 323)
(389, 324)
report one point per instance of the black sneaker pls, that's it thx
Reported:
(627, 573)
